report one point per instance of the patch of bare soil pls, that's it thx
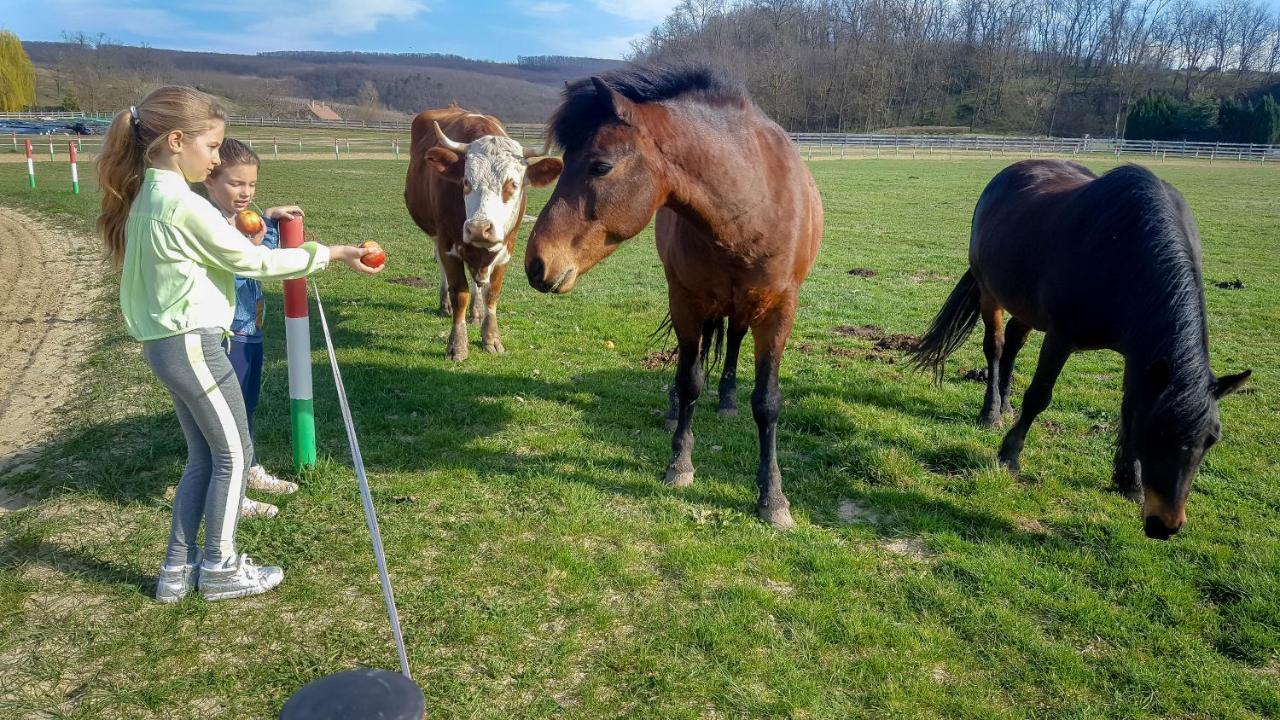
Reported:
(49, 280)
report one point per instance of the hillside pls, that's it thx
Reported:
(98, 75)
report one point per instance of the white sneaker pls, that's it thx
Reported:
(174, 583)
(237, 577)
(263, 481)
(253, 509)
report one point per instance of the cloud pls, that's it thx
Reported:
(546, 8)
(326, 17)
(648, 10)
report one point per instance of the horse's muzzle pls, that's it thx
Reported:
(1156, 529)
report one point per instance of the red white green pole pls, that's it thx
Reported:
(75, 173)
(31, 167)
(297, 337)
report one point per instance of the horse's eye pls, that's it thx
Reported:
(1210, 441)
(600, 168)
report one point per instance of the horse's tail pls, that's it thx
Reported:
(952, 325)
(662, 336)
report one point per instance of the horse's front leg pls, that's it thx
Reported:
(688, 386)
(1053, 356)
(1127, 475)
(770, 335)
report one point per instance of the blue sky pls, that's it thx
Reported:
(485, 29)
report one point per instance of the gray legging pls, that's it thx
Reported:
(195, 369)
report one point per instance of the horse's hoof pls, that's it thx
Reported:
(459, 352)
(495, 347)
(727, 412)
(669, 424)
(779, 518)
(1128, 489)
(1010, 464)
(678, 478)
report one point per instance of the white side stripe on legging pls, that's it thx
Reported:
(195, 355)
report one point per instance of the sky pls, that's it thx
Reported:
(483, 29)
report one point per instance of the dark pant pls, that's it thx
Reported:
(246, 360)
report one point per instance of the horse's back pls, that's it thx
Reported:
(1057, 245)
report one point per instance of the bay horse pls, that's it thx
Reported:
(1110, 262)
(739, 220)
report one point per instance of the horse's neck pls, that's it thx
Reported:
(718, 185)
(1176, 338)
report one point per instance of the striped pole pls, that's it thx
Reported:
(31, 167)
(336, 156)
(75, 173)
(275, 147)
(297, 338)
(15, 141)
(52, 157)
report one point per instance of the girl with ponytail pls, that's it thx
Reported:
(178, 258)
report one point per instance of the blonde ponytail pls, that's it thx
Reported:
(130, 144)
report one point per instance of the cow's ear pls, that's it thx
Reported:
(446, 162)
(545, 171)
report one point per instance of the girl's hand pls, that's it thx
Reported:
(350, 256)
(275, 213)
(257, 239)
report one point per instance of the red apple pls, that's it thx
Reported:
(376, 258)
(249, 222)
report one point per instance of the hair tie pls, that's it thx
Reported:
(137, 122)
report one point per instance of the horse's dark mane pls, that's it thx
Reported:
(1167, 273)
(581, 112)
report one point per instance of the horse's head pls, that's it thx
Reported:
(1171, 439)
(611, 186)
(493, 171)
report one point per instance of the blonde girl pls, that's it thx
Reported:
(178, 258)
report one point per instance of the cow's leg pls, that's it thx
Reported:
(460, 297)
(446, 307)
(489, 331)
(479, 293)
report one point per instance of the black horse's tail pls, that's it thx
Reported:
(950, 328)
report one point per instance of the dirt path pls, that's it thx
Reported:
(49, 279)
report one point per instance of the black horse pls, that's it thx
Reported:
(1094, 262)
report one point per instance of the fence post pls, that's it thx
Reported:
(31, 167)
(75, 173)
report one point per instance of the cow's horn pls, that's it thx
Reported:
(460, 148)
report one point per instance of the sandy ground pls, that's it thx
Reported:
(49, 279)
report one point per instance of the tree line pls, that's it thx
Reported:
(1057, 67)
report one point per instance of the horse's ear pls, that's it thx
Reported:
(1228, 384)
(622, 108)
(1157, 376)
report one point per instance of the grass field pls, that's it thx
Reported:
(543, 571)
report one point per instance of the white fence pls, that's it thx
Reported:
(270, 137)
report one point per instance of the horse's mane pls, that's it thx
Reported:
(1130, 200)
(581, 112)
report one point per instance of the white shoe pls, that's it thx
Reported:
(237, 577)
(253, 509)
(263, 481)
(174, 583)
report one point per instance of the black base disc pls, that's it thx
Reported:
(363, 694)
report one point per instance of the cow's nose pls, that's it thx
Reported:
(481, 229)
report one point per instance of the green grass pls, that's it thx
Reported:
(542, 570)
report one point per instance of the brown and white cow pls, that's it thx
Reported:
(466, 189)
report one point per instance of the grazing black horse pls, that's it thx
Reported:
(1094, 262)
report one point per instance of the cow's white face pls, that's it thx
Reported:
(492, 185)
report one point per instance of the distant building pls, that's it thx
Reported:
(320, 111)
